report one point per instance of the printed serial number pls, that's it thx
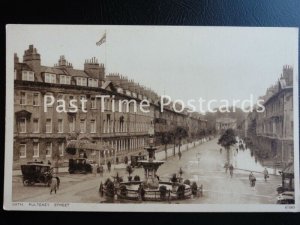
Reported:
(289, 207)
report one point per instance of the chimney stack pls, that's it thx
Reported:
(16, 59)
(32, 58)
(94, 69)
(63, 63)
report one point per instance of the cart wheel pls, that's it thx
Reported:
(26, 182)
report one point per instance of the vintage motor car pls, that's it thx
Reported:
(80, 165)
(37, 172)
(135, 160)
(287, 197)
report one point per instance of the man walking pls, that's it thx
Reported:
(179, 155)
(266, 174)
(250, 178)
(231, 170)
(109, 166)
(101, 169)
(54, 185)
(226, 167)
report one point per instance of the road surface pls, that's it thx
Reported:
(203, 164)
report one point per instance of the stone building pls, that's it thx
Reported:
(44, 135)
(275, 126)
(225, 123)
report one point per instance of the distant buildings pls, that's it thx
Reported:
(271, 132)
(44, 135)
(225, 123)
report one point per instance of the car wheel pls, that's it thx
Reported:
(26, 182)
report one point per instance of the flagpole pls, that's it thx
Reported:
(105, 53)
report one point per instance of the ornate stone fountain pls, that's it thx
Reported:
(150, 166)
(153, 188)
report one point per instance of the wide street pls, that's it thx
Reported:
(203, 164)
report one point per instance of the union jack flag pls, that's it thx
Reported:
(102, 40)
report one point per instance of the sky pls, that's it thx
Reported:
(182, 62)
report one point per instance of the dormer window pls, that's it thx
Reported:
(128, 93)
(63, 79)
(120, 90)
(27, 75)
(50, 78)
(93, 82)
(81, 81)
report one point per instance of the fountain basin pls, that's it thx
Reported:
(132, 193)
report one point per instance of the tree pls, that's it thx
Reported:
(227, 140)
(180, 133)
(166, 138)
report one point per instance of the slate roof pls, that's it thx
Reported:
(76, 73)
(47, 69)
(22, 66)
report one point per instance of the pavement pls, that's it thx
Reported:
(202, 164)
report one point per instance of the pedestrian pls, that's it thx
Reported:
(266, 174)
(250, 178)
(231, 170)
(179, 155)
(95, 169)
(101, 189)
(143, 193)
(100, 169)
(139, 191)
(117, 160)
(53, 185)
(180, 172)
(126, 159)
(220, 150)
(109, 166)
(226, 167)
(253, 182)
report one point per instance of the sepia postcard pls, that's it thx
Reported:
(151, 118)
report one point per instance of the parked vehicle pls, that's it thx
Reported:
(37, 172)
(287, 179)
(287, 197)
(80, 165)
(135, 160)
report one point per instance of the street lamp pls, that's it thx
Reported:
(151, 136)
(198, 157)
